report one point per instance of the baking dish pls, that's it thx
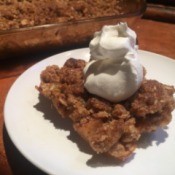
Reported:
(42, 38)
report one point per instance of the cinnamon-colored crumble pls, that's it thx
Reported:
(112, 128)
(26, 13)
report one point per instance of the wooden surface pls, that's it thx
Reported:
(160, 12)
(153, 36)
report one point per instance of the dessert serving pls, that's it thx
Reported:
(109, 100)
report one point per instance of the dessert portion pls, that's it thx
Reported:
(26, 13)
(112, 128)
(109, 126)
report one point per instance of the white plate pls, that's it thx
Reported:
(45, 139)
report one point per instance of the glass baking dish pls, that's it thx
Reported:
(63, 35)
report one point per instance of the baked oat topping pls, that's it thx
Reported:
(110, 128)
(26, 13)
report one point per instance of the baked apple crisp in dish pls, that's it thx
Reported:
(109, 100)
(39, 25)
(28, 13)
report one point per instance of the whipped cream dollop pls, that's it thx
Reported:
(114, 71)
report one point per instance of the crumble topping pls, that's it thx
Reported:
(18, 14)
(112, 128)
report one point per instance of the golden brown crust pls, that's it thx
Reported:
(112, 128)
(19, 14)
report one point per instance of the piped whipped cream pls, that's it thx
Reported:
(114, 71)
